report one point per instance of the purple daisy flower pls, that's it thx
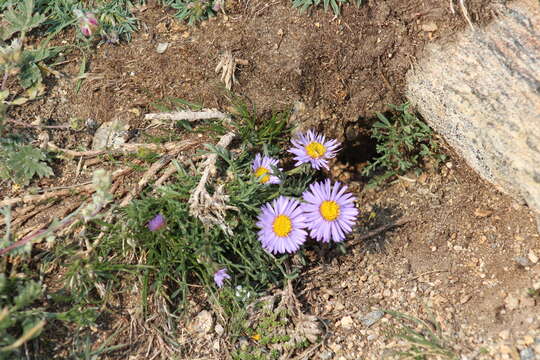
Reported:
(282, 225)
(220, 276)
(262, 169)
(156, 223)
(330, 212)
(313, 148)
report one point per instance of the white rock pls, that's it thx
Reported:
(347, 322)
(511, 302)
(219, 329)
(161, 47)
(203, 322)
(532, 256)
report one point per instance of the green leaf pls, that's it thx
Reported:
(21, 19)
(25, 162)
(28, 294)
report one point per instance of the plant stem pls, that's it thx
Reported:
(4, 80)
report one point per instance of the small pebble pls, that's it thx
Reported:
(532, 257)
(326, 355)
(527, 354)
(511, 302)
(161, 47)
(347, 322)
(371, 318)
(523, 261)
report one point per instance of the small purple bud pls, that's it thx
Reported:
(220, 276)
(156, 223)
(218, 4)
(88, 23)
(85, 29)
(91, 18)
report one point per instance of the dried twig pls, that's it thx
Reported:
(171, 169)
(427, 273)
(126, 148)
(64, 192)
(48, 195)
(153, 170)
(26, 125)
(227, 66)
(210, 209)
(41, 231)
(187, 115)
(22, 219)
(377, 231)
(21, 212)
(465, 13)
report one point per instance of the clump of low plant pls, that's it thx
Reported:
(335, 5)
(194, 11)
(420, 339)
(21, 163)
(179, 249)
(229, 225)
(15, 58)
(23, 315)
(403, 143)
(113, 18)
(19, 323)
(269, 330)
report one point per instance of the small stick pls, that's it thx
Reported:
(64, 187)
(452, 7)
(211, 208)
(465, 13)
(171, 169)
(40, 230)
(377, 231)
(427, 273)
(23, 124)
(63, 192)
(187, 115)
(126, 148)
(21, 220)
(37, 198)
(153, 170)
(4, 80)
(21, 212)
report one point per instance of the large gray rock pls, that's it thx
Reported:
(482, 94)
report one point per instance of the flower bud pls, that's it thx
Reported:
(218, 5)
(88, 24)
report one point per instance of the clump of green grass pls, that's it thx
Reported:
(18, 322)
(193, 11)
(270, 334)
(423, 340)
(335, 5)
(403, 143)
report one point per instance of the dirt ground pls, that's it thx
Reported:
(455, 259)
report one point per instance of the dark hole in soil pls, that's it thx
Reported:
(358, 149)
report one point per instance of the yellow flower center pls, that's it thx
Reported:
(282, 225)
(329, 210)
(260, 172)
(315, 150)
